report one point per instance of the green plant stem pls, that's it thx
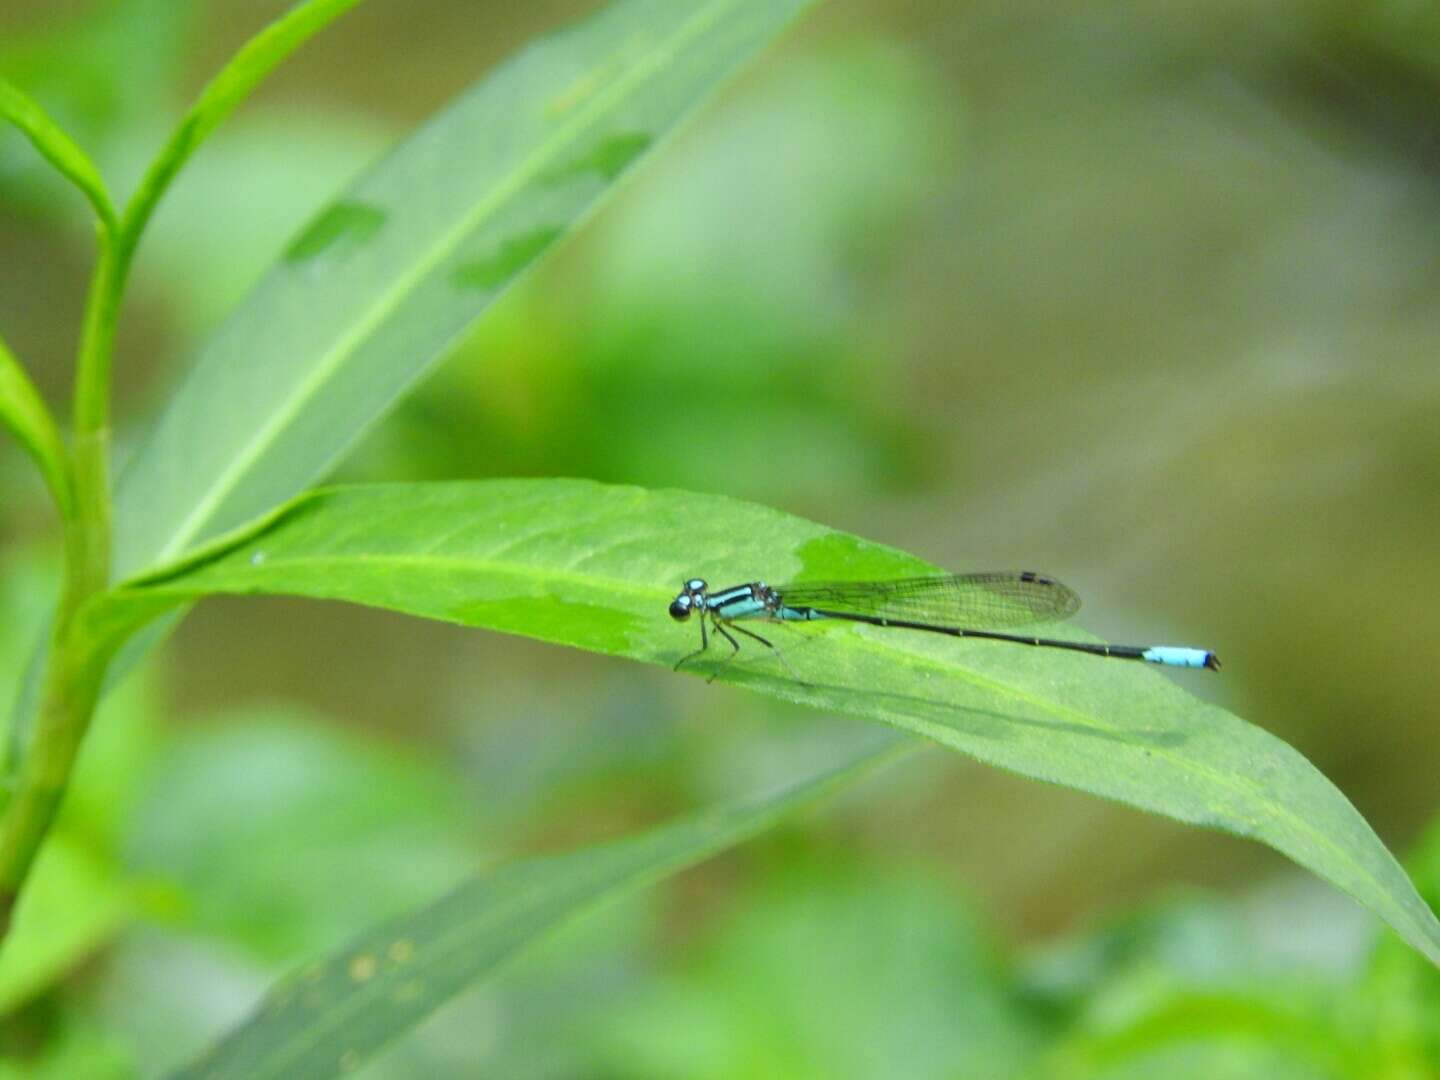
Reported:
(71, 688)
(76, 664)
(75, 668)
(89, 569)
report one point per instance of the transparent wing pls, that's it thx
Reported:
(989, 601)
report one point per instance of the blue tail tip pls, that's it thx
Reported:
(1176, 656)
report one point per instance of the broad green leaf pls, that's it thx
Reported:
(392, 273)
(23, 411)
(594, 566)
(56, 147)
(332, 1015)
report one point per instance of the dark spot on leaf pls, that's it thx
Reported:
(342, 228)
(609, 157)
(514, 255)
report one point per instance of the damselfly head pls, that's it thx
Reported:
(691, 597)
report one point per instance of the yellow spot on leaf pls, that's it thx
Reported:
(362, 967)
(401, 950)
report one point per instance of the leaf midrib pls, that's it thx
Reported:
(267, 434)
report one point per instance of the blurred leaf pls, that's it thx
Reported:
(1238, 1038)
(166, 994)
(109, 776)
(822, 167)
(27, 597)
(56, 147)
(23, 411)
(106, 76)
(530, 1021)
(286, 836)
(1404, 991)
(1260, 1029)
(74, 1046)
(27, 587)
(594, 566)
(1185, 990)
(331, 1016)
(73, 902)
(383, 281)
(1194, 941)
(837, 975)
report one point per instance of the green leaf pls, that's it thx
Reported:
(56, 147)
(594, 566)
(330, 1016)
(387, 278)
(23, 411)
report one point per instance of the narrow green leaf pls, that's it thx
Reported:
(329, 1017)
(56, 147)
(595, 566)
(235, 82)
(23, 411)
(386, 279)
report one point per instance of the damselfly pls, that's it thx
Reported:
(961, 605)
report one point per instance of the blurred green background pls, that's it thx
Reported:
(1140, 294)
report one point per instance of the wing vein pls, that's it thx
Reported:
(993, 600)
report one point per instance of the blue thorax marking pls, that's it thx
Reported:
(755, 599)
(739, 602)
(725, 602)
